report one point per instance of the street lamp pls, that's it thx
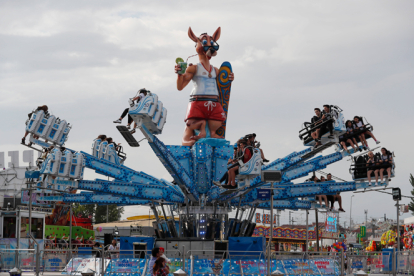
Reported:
(350, 214)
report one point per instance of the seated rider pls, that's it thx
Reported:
(345, 138)
(386, 163)
(326, 116)
(333, 198)
(102, 137)
(111, 141)
(360, 126)
(232, 162)
(42, 107)
(232, 172)
(350, 132)
(255, 144)
(141, 94)
(316, 121)
(320, 197)
(371, 167)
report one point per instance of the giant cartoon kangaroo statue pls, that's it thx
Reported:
(204, 107)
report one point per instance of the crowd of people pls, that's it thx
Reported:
(322, 122)
(328, 198)
(243, 150)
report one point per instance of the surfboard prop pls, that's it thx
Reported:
(224, 85)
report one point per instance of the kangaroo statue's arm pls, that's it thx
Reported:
(184, 79)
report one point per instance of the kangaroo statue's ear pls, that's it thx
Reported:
(191, 35)
(216, 34)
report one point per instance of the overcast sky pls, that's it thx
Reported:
(84, 59)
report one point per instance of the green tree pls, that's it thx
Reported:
(411, 204)
(84, 211)
(114, 213)
(98, 212)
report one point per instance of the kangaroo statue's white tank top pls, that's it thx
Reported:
(203, 85)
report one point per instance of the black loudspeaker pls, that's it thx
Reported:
(250, 229)
(108, 239)
(221, 249)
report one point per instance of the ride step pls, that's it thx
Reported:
(128, 136)
(318, 149)
(229, 191)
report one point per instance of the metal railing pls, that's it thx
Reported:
(372, 262)
(198, 262)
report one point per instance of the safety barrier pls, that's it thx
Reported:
(22, 258)
(405, 262)
(311, 263)
(202, 262)
(371, 262)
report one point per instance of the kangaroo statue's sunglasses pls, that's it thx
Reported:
(214, 47)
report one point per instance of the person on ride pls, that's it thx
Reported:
(141, 94)
(360, 126)
(316, 122)
(371, 163)
(345, 138)
(326, 117)
(329, 177)
(386, 163)
(336, 197)
(232, 162)
(42, 107)
(350, 132)
(249, 143)
(320, 197)
(235, 170)
(254, 144)
(102, 137)
(111, 141)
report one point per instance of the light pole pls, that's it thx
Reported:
(350, 215)
(290, 219)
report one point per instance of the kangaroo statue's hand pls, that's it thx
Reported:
(177, 68)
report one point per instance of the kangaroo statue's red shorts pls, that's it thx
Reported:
(207, 110)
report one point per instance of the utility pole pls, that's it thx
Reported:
(290, 217)
(350, 214)
(278, 217)
(366, 217)
(398, 224)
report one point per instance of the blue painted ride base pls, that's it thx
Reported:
(214, 142)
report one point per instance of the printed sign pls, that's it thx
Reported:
(128, 265)
(331, 222)
(263, 194)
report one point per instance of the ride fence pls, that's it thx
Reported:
(210, 262)
(311, 263)
(405, 262)
(371, 262)
(25, 259)
(206, 262)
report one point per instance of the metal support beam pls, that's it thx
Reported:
(271, 230)
(307, 232)
(317, 230)
(235, 218)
